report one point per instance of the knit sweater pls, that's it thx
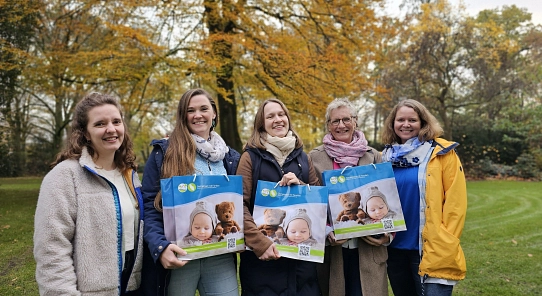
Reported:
(78, 232)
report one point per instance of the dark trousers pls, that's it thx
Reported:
(403, 272)
(129, 260)
(282, 277)
(352, 282)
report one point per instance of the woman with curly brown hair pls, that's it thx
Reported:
(89, 218)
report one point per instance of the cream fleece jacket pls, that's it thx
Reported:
(78, 232)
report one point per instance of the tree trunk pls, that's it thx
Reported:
(219, 25)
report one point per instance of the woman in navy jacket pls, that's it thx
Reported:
(192, 148)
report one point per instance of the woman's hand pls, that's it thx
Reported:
(289, 179)
(377, 242)
(270, 254)
(169, 259)
(333, 241)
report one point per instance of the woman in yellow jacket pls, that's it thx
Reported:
(427, 258)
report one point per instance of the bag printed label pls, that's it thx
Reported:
(363, 200)
(294, 218)
(203, 214)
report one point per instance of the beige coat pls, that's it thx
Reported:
(77, 232)
(372, 260)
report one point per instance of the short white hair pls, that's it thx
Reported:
(337, 103)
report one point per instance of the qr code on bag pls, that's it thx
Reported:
(231, 244)
(387, 224)
(304, 251)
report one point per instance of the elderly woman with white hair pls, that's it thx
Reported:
(355, 266)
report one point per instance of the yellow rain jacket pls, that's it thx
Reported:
(445, 211)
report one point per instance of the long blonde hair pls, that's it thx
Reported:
(181, 152)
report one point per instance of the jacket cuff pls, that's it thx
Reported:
(159, 249)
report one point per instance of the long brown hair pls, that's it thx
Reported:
(181, 152)
(258, 132)
(124, 156)
(430, 127)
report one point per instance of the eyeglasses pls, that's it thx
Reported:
(346, 120)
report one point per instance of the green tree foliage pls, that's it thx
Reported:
(480, 76)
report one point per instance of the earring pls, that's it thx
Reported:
(88, 142)
(213, 124)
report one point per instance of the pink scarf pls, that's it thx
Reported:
(346, 154)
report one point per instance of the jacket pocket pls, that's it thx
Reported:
(442, 255)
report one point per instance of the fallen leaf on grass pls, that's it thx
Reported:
(514, 241)
(5, 226)
(530, 255)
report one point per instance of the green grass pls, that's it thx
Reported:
(501, 239)
(18, 198)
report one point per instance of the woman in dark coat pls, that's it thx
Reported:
(273, 153)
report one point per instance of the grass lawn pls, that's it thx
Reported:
(502, 244)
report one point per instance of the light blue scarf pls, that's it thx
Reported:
(409, 154)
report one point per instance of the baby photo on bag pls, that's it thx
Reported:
(203, 214)
(293, 217)
(363, 200)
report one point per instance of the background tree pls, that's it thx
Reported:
(17, 23)
(302, 52)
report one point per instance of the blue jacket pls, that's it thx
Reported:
(154, 224)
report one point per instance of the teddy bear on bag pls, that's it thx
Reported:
(351, 202)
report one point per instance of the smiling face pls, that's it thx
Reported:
(202, 226)
(343, 131)
(407, 124)
(298, 231)
(199, 116)
(376, 208)
(276, 121)
(105, 130)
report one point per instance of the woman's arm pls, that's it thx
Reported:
(254, 238)
(154, 220)
(313, 177)
(54, 230)
(454, 209)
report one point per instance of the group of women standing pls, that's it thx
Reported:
(98, 231)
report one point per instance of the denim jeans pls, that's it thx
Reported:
(216, 275)
(403, 268)
(430, 289)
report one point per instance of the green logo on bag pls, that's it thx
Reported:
(341, 179)
(273, 193)
(265, 192)
(333, 180)
(192, 187)
(181, 187)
